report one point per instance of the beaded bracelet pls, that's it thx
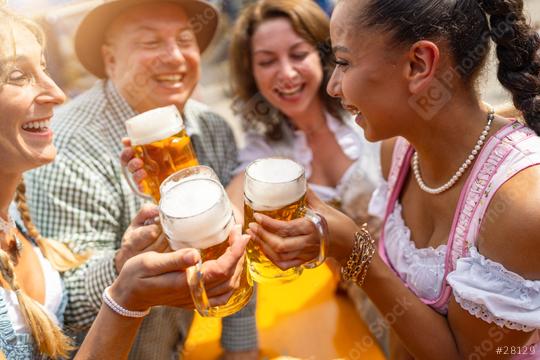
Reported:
(117, 308)
(361, 257)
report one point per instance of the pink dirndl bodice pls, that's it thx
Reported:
(511, 150)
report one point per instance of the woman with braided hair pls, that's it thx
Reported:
(455, 271)
(32, 298)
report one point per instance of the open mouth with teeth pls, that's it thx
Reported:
(289, 93)
(40, 126)
(171, 80)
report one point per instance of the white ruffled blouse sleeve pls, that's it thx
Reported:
(492, 293)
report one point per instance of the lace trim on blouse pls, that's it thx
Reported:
(487, 290)
(484, 288)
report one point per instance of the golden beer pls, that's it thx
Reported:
(197, 213)
(160, 140)
(275, 187)
(261, 268)
(240, 296)
(164, 157)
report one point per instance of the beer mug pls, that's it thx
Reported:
(276, 187)
(198, 171)
(160, 140)
(197, 213)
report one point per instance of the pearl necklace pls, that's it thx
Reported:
(454, 179)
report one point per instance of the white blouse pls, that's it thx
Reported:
(358, 181)
(482, 287)
(53, 296)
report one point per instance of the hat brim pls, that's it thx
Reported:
(90, 34)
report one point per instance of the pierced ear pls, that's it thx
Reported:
(108, 60)
(423, 63)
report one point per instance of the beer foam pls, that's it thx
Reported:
(193, 214)
(154, 125)
(274, 184)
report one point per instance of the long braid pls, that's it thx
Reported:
(47, 335)
(58, 254)
(519, 56)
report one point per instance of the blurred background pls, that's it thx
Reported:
(304, 319)
(61, 17)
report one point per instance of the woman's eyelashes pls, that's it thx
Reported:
(294, 57)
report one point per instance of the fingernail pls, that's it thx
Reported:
(253, 227)
(258, 217)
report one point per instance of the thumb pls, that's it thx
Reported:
(147, 212)
(237, 241)
(180, 260)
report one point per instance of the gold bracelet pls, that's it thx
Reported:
(361, 257)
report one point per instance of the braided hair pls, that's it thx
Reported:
(519, 57)
(58, 254)
(47, 335)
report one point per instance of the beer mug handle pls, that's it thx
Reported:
(198, 291)
(320, 224)
(133, 187)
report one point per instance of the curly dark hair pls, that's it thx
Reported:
(312, 24)
(466, 26)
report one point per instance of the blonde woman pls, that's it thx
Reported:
(32, 298)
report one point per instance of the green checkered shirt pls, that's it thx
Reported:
(82, 197)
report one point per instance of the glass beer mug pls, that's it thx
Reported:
(160, 140)
(198, 171)
(276, 187)
(197, 213)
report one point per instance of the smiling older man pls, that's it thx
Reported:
(147, 54)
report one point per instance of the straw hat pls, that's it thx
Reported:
(90, 34)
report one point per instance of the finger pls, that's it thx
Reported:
(126, 155)
(126, 142)
(144, 236)
(138, 176)
(220, 300)
(224, 287)
(274, 241)
(160, 245)
(133, 163)
(300, 248)
(285, 265)
(237, 242)
(147, 211)
(301, 226)
(156, 264)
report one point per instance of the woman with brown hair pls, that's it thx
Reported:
(281, 62)
(32, 298)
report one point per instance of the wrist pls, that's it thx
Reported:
(112, 300)
(124, 296)
(341, 238)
